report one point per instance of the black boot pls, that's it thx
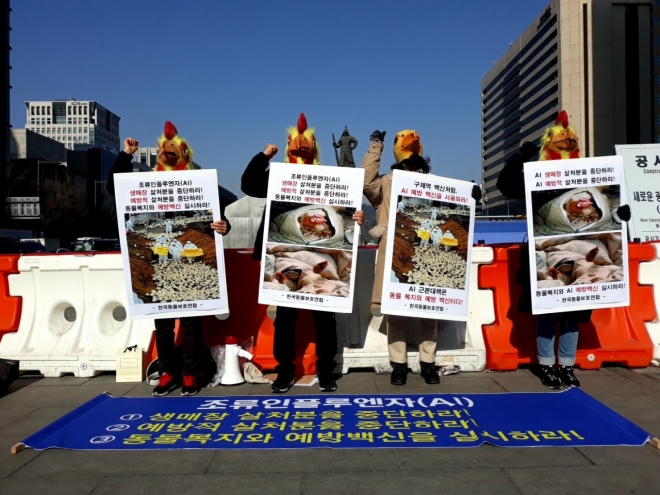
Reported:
(399, 373)
(429, 373)
(567, 377)
(549, 377)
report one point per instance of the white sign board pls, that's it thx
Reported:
(310, 237)
(578, 245)
(429, 247)
(173, 262)
(642, 166)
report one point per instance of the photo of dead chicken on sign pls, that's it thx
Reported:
(174, 263)
(429, 253)
(311, 237)
(580, 256)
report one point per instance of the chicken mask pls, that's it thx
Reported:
(407, 143)
(560, 141)
(173, 151)
(301, 144)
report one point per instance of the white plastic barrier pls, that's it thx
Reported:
(649, 274)
(74, 315)
(364, 337)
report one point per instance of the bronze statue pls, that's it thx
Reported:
(347, 143)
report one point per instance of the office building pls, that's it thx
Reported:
(74, 122)
(592, 58)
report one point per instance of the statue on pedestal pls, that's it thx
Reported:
(347, 143)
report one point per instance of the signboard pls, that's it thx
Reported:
(429, 247)
(173, 261)
(310, 237)
(642, 166)
(578, 245)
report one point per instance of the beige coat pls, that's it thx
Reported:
(377, 189)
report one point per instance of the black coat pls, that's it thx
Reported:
(254, 183)
(124, 164)
(511, 183)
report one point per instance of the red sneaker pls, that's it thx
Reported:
(190, 386)
(166, 383)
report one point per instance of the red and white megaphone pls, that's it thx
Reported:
(232, 374)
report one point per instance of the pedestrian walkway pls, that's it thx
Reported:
(34, 402)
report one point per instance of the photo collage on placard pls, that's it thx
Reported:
(577, 236)
(309, 249)
(430, 243)
(172, 256)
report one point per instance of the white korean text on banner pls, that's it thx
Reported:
(173, 261)
(642, 166)
(429, 247)
(310, 237)
(577, 243)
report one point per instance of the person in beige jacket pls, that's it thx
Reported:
(377, 189)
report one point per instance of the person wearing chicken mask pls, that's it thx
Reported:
(377, 188)
(301, 149)
(559, 142)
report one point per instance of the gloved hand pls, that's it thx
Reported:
(476, 193)
(623, 212)
(378, 136)
(528, 150)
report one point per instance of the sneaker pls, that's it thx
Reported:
(282, 384)
(189, 386)
(326, 382)
(430, 374)
(399, 373)
(549, 377)
(568, 377)
(166, 383)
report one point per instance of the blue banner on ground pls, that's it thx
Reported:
(568, 419)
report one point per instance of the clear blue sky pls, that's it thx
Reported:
(233, 75)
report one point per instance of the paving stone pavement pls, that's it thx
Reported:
(35, 402)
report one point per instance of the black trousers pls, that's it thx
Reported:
(285, 337)
(192, 341)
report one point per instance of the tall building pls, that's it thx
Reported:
(147, 156)
(592, 58)
(74, 122)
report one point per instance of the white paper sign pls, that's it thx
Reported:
(429, 247)
(310, 238)
(173, 262)
(641, 163)
(578, 245)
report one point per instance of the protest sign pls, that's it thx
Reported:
(641, 163)
(429, 247)
(310, 238)
(578, 246)
(173, 261)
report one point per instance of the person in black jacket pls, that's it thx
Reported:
(511, 183)
(254, 182)
(171, 375)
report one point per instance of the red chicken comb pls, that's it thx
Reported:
(302, 123)
(562, 119)
(170, 130)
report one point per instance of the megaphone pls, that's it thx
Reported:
(232, 374)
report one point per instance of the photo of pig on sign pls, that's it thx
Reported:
(580, 255)
(311, 238)
(173, 260)
(430, 246)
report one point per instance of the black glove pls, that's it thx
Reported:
(623, 212)
(378, 136)
(528, 150)
(476, 193)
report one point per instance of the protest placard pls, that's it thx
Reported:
(578, 245)
(173, 260)
(641, 163)
(310, 238)
(429, 247)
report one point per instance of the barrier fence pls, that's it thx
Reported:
(66, 313)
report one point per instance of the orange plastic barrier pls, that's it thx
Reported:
(247, 319)
(10, 307)
(614, 335)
